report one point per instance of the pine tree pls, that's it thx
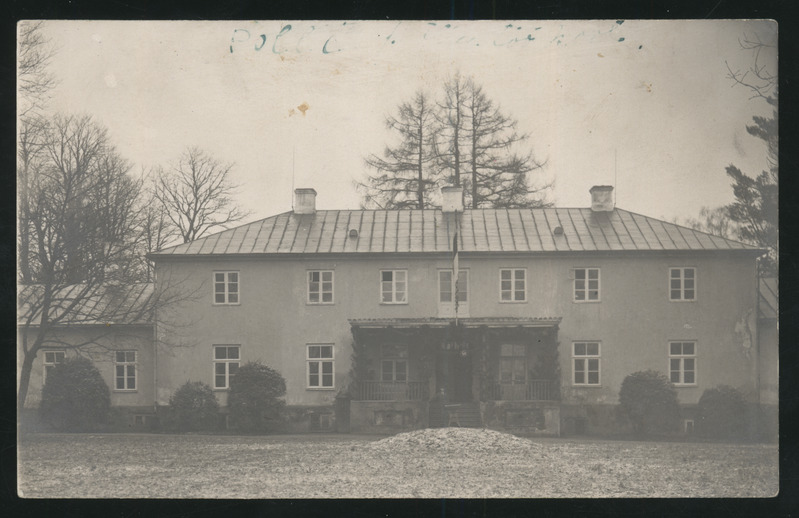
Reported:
(405, 175)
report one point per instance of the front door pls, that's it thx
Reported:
(454, 375)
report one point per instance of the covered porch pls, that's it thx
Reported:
(471, 365)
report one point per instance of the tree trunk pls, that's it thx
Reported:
(24, 381)
(420, 186)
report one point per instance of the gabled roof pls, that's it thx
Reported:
(97, 305)
(431, 231)
(767, 306)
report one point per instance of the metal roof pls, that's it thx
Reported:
(769, 298)
(431, 231)
(79, 304)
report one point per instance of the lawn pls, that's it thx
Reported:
(449, 462)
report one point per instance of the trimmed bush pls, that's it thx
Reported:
(253, 397)
(649, 401)
(722, 413)
(193, 408)
(75, 397)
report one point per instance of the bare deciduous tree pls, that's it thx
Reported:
(82, 222)
(405, 176)
(34, 81)
(197, 194)
(712, 221)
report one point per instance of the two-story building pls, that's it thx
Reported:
(515, 318)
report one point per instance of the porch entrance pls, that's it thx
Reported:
(454, 375)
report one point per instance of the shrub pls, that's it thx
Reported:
(253, 397)
(722, 412)
(649, 401)
(193, 408)
(75, 397)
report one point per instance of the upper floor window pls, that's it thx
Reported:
(226, 287)
(125, 370)
(320, 366)
(394, 286)
(682, 283)
(512, 285)
(585, 358)
(448, 287)
(51, 359)
(226, 363)
(586, 284)
(682, 363)
(320, 287)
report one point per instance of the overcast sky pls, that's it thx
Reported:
(642, 105)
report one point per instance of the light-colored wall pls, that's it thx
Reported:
(634, 320)
(769, 362)
(138, 338)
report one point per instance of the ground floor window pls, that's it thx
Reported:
(394, 370)
(226, 363)
(585, 359)
(51, 359)
(682, 363)
(320, 366)
(125, 370)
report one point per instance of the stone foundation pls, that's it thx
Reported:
(522, 417)
(387, 416)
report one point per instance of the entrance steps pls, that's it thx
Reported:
(463, 415)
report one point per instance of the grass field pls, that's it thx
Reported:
(425, 464)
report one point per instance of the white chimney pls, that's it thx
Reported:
(601, 198)
(452, 199)
(304, 201)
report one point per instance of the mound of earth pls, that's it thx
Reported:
(450, 439)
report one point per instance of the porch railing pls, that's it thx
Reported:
(392, 390)
(532, 390)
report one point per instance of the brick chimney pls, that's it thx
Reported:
(601, 198)
(452, 199)
(304, 201)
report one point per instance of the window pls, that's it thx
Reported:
(394, 370)
(51, 359)
(682, 363)
(393, 286)
(320, 366)
(513, 364)
(125, 370)
(586, 363)
(226, 287)
(226, 363)
(586, 284)
(320, 287)
(447, 287)
(394, 363)
(682, 283)
(513, 285)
